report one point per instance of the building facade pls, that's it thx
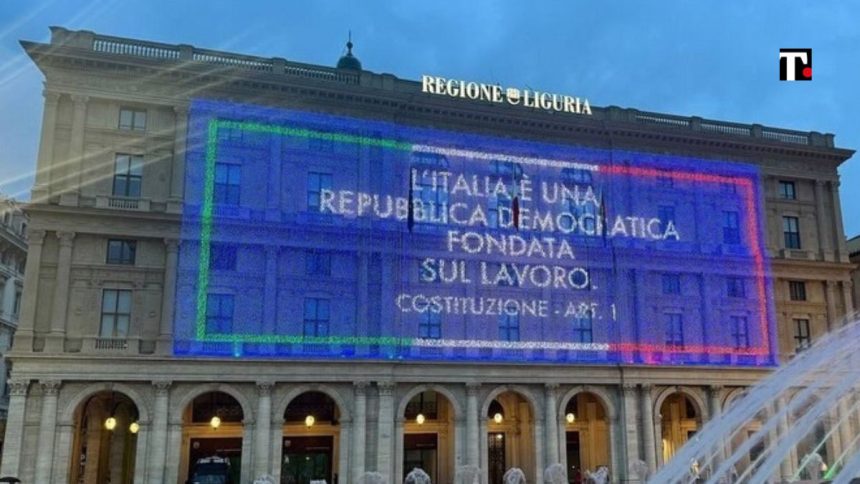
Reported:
(854, 256)
(13, 255)
(104, 386)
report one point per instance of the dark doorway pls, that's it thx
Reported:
(574, 464)
(229, 448)
(496, 458)
(307, 459)
(421, 451)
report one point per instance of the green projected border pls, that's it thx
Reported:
(206, 217)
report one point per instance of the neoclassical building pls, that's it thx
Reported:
(13, 256)
(108, 386)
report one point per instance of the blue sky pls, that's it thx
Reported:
(711, 59)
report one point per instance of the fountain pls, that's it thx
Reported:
(555, 474)
(264, 479)
(372, 478)
(514, 475)
(789, 406)
(467, 475)
(417, 476)
(600, 476)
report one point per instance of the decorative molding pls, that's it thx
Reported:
(264, 388)
(51, 387)
(360, 387)
(472, 389)
(386, 388)
(51, 97)
(18, 388)
(66, 238)
(172, 245)
(80, 99)
(162, 387)
(36, 237)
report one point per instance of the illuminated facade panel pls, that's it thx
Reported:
(310, 235)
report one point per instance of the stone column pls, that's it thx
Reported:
(30, 294)
(270, 291)
(168, 297)
(57, 334)
(824, 235)
(631, 450)
(12, 446)
(262, 445)
(552, 449)
(344, 447)
(177, 168)
(140, 463)
(47, 431)
(715, 410)
(359, 430)
(174, 451)
(158, 435)
(398, 449)
(473, 440)
(647, 410)
(847, 288)
(786, 467)
(846, 435)
(830, 297)
(45, 166)
(385, 430)
(76, 146)
(837, 221)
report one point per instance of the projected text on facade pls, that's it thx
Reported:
(307, 235)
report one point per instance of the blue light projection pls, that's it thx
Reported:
(316, 236)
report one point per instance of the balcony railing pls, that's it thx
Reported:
(122, 203)
(111, 344)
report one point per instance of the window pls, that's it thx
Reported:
(132, 119)
(740, 331)
(731, 228)
(6, 217)
(222, 257)
(674, 329)
(127, 175)
(116, 313)
(219, 313)
(316, 317)
(735, 287)
(16, 305)
(797, 290)
(512, 280)
(500, 211)
(671, 284)
(583, 328)
(509, 327)
(227, 179)
(791, 231)
(433, 198)
(317, 182)
(577, 176)
(430, 325)
(802, 338)
(666, 213)
(787, 190)
(121, 251)
(317, 263)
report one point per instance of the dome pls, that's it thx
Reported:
(349, 61)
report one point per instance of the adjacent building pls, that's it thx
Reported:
(201, 280)
(854, 255)
(13, 256)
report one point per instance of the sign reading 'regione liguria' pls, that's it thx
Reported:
(494, 93)
(308, 235)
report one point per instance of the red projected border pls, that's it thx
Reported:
(752, 223)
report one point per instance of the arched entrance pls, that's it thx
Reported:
(680, 419)
(428, 436)
(212, 431)
(310, 441)
(105, 441)
(587, 444)
(746, 432)
(510, 439)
